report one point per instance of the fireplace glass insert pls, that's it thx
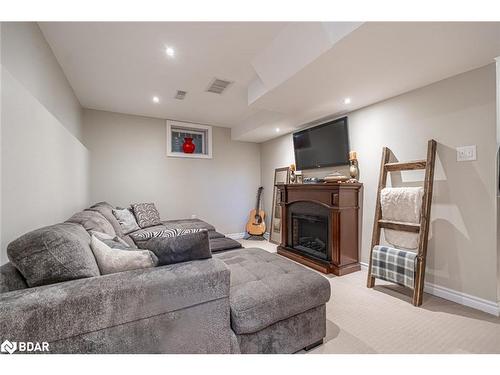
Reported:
(309, 234)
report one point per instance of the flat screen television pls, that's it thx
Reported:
(324, 145)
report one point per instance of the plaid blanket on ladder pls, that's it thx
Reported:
(397, 266)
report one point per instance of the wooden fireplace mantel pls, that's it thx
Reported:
(342, 201)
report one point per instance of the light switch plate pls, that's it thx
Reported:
(466, 153)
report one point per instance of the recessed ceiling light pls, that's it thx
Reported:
(170, 52)
(156, 99)
(277, 130)
(347, 101)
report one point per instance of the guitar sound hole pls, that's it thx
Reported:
(258, 219)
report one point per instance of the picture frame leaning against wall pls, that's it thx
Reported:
(281, 176)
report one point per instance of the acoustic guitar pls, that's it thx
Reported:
(256, 226)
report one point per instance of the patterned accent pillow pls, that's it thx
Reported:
(126, 220)
(146, 214)
(165, 233)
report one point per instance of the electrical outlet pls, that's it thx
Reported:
(466, 153)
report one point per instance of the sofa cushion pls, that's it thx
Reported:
(53, 254)
(146, 214)
(106, 210)
(224, 243)
(111, 259)
(267, 288)
(184, 248)
(213, 234)
(11, 279)
(126, 219)
(92, 221)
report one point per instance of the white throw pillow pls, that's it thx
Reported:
(111, 260)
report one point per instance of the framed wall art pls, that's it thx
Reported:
(187, 140)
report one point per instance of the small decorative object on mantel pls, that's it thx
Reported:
(188, 146)
(299, 178)
(353, 166)
(292, 173)
(336, 177)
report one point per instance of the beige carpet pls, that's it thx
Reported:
(381, 320)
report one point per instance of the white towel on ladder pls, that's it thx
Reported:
(401, 204)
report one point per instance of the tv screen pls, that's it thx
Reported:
(322, 146)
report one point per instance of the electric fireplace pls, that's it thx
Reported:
(320, 225)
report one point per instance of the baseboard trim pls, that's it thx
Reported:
(465, 299)
(461, 298)
(236, 236)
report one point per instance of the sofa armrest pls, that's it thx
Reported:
(58, 311)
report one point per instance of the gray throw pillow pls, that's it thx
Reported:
(178, 249)
(106, 210)
(112, 260)
(126, 220)
(53, 254)
(146, 214)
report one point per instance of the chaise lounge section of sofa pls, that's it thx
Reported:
(277, 306)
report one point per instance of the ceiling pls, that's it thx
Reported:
(285, 74)
(119, 67)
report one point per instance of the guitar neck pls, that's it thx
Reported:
(257, 204)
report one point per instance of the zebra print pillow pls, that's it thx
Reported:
(166, 233)
(146, 214)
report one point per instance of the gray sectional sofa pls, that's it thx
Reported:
(237, 301)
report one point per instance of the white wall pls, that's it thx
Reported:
(498, 164)
(29, 58)
(457, 111)
(129, 164)
(1, 176)
(44, 165)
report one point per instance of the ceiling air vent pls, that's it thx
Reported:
(218, 86)
(180, 95)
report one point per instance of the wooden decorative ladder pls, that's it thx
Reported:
(422, 229)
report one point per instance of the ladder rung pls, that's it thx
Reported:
(398, 225)
(406, 166)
